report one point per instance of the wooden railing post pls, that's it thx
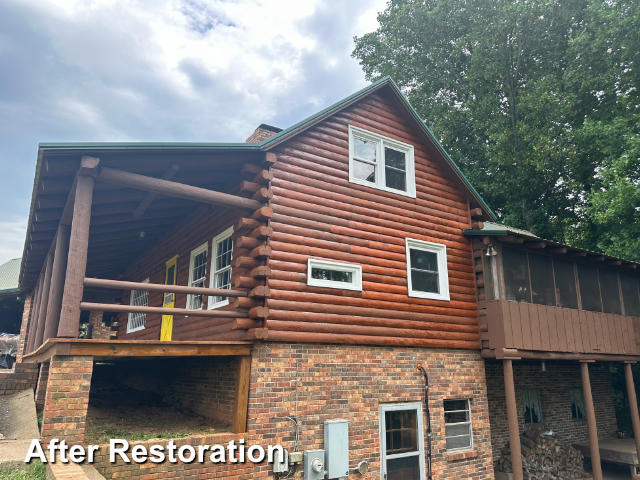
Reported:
(633, 404)
(592, 428)
(58, 273)
(512, 420)
(44, 300)
(77, 259)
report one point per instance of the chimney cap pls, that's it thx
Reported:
(271, 128)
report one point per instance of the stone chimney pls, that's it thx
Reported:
(263, 132)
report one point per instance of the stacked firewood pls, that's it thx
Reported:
(544, 456)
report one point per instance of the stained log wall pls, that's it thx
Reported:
(319, 214)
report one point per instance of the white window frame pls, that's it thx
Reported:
(354, 269)
(194, 253)
(381, 142)
(212, 277)
(130, 317)
(470, 423)
(390, 407)
(443, 275)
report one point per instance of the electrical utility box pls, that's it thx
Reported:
(336, 448)
(313, 465)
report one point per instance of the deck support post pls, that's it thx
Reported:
(58, 273)
(241, 400)
(77, 258)
(591, 421)
(633, 405)
(512, 420)
(44, 301)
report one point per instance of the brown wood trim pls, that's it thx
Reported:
(241, 398)
(136, 348)
(503, 353)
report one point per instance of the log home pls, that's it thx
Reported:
(318, 273)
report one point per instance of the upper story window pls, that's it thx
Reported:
(380, 162)
(427, 275)
(197, 274)
(221, 266)
(139, 298)
(322, 273)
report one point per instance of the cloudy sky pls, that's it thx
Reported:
(162, 70)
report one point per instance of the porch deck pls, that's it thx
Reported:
(136, 348)
(614, 450)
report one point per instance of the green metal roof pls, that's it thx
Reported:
(9, 273)
(275, 139)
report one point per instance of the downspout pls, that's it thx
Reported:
(426, 404)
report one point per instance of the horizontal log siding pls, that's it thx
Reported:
(318, 213)
(201, 227)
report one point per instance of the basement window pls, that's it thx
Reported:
(197, 274)
(139, 298)
(577, 405)
(381, 162)
(532, 407)
(221, 266)
(427, 270)
(457, 424)
(323, 273)
(401, 441)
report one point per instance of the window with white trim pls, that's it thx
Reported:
(323, 273)
(401, 441)
(197, 274)
(457, 424)
(221, 266)
(380, 162)
(427, 275)
(139, 298)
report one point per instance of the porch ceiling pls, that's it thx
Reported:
(116, 237)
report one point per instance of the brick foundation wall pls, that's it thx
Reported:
(554, 386)
(342, 382)
(67, 398)
(41, 386)
(99, 331)
(22, 377)
(23, 326)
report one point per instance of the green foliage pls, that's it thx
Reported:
(35, 471)
(620, 398)
(536, 100)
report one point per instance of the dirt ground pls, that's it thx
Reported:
(134, 415)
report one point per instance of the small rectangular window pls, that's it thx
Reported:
(630, 295)
(577, 405)
(610, 291)
(457, 424)
(427, 274)
(221, 266)
(138, 298)
(542, 290)
(516, 275)
(401, 441)
(566, 290)
(532, 407)
(197, 274)
(324, 273)
(589, 288)
(380, 162)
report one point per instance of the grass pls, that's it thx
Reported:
(102, 434)
(35, 471)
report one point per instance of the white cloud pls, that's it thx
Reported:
(13, 234)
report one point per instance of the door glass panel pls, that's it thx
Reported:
(589, 288)
(516, 275)
(610, 291)
(542, 291)
(566, 290)
(407, 468)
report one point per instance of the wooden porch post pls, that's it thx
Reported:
(33, 322)
(512, 419)
(44, 300)
(241, 400)
(77, 259)
(591, 421)
(57, 281)
(633, 404)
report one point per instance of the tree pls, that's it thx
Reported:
(514, 90)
